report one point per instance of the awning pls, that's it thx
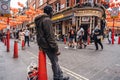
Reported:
(63, 19)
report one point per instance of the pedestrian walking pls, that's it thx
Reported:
(22, 35)
(109, 36)
(97, 37)
(27, 35)
(80, 34)
(71, 36)
(46, 41)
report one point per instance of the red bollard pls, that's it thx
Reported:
(42, 70)
(88, 40)
(23, 45)
(64, 40)
(8, 40)
(15, 55)
(119, 40)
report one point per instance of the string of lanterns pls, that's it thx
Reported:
(16, 18)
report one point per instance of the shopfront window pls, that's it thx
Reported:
(96, 1)
(90, 1)
(67, 3)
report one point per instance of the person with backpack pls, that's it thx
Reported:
(46, 41)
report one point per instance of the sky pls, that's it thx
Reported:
(14, 3)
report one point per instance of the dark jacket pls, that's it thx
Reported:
(97, 32)
(45, 33)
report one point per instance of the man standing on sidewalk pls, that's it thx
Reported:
(46, 41)
(27, 35)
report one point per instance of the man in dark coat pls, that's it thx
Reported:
(46, 41)
(97, 37)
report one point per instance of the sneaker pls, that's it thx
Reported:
(66, 78)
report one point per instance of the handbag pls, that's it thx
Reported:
(99, 37)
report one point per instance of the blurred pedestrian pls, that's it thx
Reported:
(46, 41)
(80, 34)
(22, 35)
(97, 37)
(71, 36)
(27, 36)
(109, 36)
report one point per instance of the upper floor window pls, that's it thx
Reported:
(67, 3)
(34, 6)
(57, 7)
(41, 2)
(77, 1)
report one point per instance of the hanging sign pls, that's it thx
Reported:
(5, 8)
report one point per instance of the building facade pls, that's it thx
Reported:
(73, 13)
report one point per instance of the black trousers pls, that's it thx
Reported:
(98, 42)
(27, 40)
(57, 72)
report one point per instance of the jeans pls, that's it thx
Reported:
(98, 42)
(57, 72)
(27, 40)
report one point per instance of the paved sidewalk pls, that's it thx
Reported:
(79, 64)
(10, 68)
(16, 68)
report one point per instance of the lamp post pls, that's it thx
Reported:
(113, 31)
(114, 14)
(8, 35)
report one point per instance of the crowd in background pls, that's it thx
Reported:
(75, 38)
(22, 34)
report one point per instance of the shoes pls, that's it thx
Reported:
(101, 48)
(96, 49)
(64, 78)
(85, 46)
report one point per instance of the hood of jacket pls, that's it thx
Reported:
(40, 17)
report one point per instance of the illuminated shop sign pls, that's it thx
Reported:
(88, 13)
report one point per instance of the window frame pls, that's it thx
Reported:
(67, 3)
(40, 2)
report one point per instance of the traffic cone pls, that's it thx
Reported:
(23, 45)
(119, 40)
(42, 70)
(15, 55)
(64, 40)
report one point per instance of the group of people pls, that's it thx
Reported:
(78, 39)
(25, 35)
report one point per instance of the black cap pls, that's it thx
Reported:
(48, 9)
